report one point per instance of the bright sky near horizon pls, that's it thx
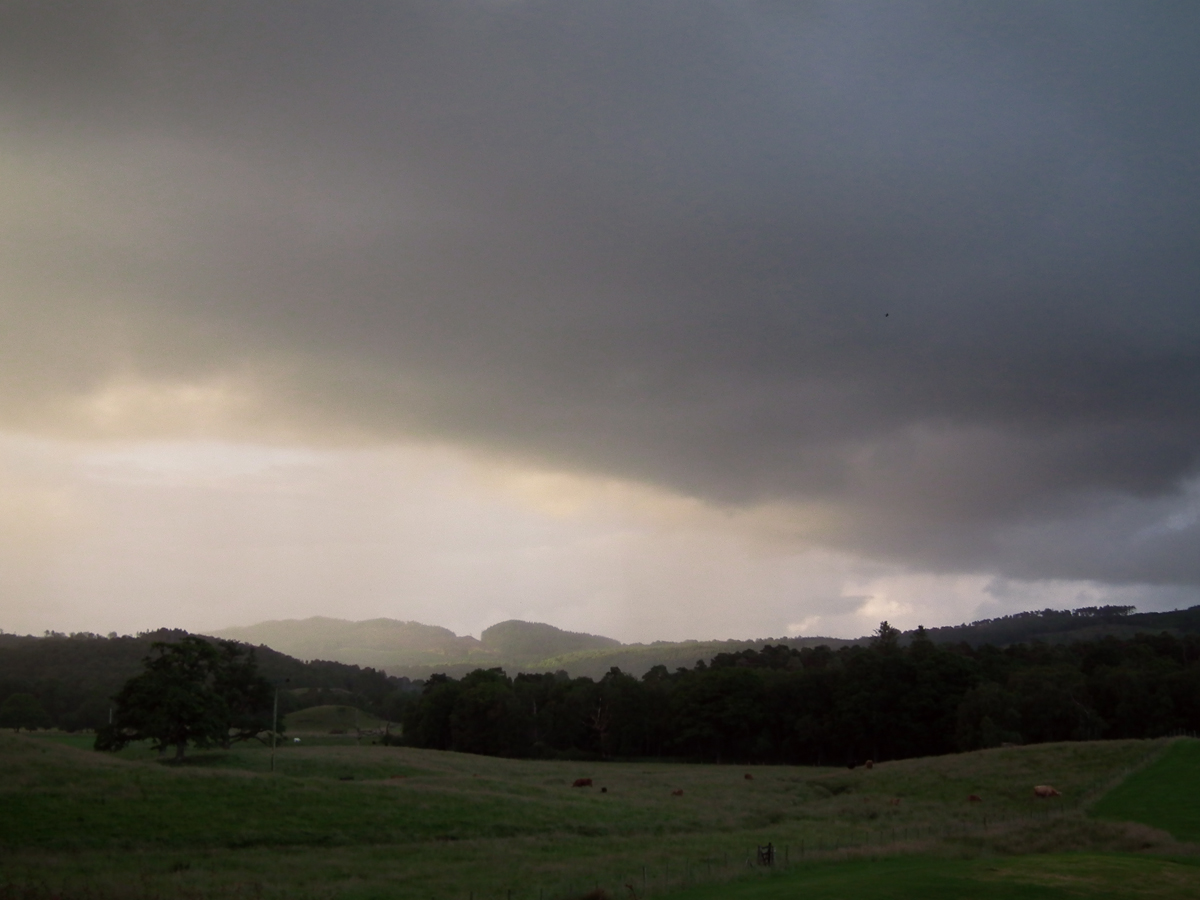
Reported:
(654, 320)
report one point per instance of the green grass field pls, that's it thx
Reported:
(348, 819)
(1165, 794)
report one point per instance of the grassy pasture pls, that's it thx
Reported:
(341, 818)
(1165, 794)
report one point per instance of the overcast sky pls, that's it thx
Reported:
(653, 319)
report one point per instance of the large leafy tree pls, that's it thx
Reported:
(191, 691)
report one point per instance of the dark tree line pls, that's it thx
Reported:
(816, 706)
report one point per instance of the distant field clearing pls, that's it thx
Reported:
(326, 719)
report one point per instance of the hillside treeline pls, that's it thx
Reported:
(67, 681)
(817, 706)
(1059, 626)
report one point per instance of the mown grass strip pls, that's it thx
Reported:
(1048, 877)
(1165, 794)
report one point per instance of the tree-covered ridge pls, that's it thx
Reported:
(74, 677)
(818, 706)
(1062, 625)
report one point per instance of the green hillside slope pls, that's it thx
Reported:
(356, 820)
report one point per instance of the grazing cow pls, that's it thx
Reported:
(582, 782)
(870, 764)
(749, 777)
(974, 798)
(1044, 791)
(678, 793)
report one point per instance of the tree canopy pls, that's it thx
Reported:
(23, 711)
(191, 691)
(888, 700)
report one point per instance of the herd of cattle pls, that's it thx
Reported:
(1041, 791)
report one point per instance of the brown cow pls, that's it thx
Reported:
(749, 777)
(1044, 791)
(678, 793)
(582, 782)
(870, 764)
(974, 798)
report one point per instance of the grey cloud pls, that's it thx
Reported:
(931, 265)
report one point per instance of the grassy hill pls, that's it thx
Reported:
(1160, 794)
(340, 819)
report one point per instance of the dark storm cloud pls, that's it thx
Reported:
(933, 267)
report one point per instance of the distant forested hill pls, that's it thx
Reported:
(416, 651)
(638, 659)
(1058, 626)
(379, 643)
